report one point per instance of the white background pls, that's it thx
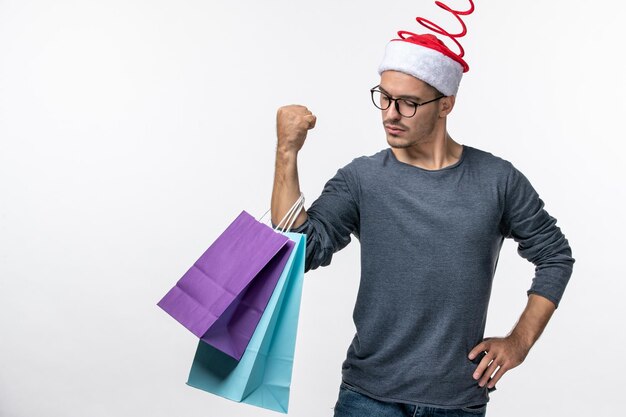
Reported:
(133, 132)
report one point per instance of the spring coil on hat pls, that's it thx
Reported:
(428, 24)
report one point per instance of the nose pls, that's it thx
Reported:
(392, 111)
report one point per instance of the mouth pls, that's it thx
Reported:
(393, 130)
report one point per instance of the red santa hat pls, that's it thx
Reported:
(426, 57)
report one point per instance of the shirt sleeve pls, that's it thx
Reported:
(332, 218)
(539, 239)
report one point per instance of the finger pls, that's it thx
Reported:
(482, 366)
(487, 375)
(480, 348)
(501, 371)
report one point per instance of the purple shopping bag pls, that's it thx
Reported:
(222, 296)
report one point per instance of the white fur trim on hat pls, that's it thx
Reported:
(423, 63)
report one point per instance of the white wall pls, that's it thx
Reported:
(132, 133)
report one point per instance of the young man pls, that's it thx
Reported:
(431, 215)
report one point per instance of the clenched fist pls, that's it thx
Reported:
(292, 125)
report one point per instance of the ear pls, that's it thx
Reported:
(446, 105)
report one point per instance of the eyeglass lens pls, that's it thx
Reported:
(383, 101)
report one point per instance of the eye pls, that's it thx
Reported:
(408, 103)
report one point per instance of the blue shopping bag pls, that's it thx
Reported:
(263, 375)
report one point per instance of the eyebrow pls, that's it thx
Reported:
(414, 98)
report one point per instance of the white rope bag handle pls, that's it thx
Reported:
(290, 217)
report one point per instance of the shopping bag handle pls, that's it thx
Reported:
(290, 217)
(292, 214)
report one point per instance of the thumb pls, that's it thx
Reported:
(311, 119)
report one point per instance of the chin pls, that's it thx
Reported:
(398, 143)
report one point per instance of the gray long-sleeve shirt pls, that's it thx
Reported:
(429, 247)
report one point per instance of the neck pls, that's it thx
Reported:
(439, 152)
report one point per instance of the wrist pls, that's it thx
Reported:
(286, 153)
(522, 339)
(532, 321)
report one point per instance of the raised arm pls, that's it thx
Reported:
(292, 125)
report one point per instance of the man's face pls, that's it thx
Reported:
(404, 132)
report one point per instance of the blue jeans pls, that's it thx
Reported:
(354, 404)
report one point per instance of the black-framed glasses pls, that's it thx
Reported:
(405, 107)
